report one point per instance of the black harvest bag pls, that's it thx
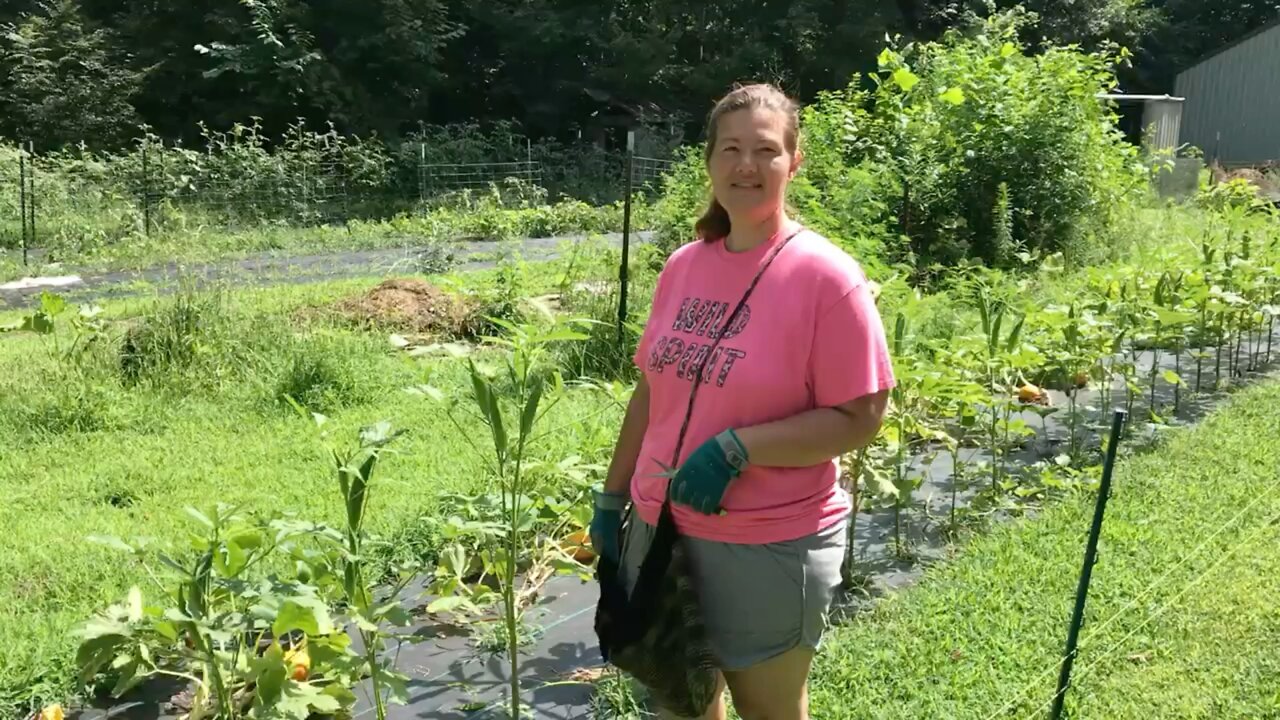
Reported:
(657, 635)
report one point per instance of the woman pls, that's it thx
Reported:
(800, 377)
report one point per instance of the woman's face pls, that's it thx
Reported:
(750, 165)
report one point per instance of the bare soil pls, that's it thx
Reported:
(409, 305)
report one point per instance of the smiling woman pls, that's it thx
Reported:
(752, 153)
(774, 332)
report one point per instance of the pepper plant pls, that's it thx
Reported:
(511, 406)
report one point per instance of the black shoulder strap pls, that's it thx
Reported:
(728, 323)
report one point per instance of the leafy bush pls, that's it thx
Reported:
(957, 119)
(1236, 193)
(685, 191)
(912, 169)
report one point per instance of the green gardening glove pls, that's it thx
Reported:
(702, 480)
(606, 524)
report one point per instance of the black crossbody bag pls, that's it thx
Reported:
(657, 635)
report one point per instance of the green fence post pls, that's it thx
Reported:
(626, 238)
(1090, 557)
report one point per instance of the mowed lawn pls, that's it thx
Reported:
(1183, 620)
(151, 451)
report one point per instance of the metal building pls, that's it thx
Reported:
(1232, 109)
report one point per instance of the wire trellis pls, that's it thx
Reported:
(85, 199)
(648, 174)
(438, 178)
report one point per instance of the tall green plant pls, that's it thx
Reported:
(511, 406)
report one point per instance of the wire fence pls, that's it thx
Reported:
(77, 197)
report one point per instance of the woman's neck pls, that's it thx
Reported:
(748, 234)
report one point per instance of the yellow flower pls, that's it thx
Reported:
(51, 712)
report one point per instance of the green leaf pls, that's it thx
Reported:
(1008, 50)
(230, 560)
(531, 408)
(343, 695)
(378, 435)
(451, 603)
(905, 79)
(397, 685)
(488, 403)
(1171, 377)
(114, 543)
(954, 96)
(98, 651)
(269, 671)
(395, 614)
(39, 323)
(52, 304)
(199, 516)
(1173, 317)
(1015, 334)
(426, 391)
(887, 57)
(305, 613)
(301, 701)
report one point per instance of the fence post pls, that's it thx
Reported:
(626, 238)
(146, 193)
(22, 199)
(422, 172)
(31, 194)
(1090, 557)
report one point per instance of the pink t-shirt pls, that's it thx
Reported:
(810, 336)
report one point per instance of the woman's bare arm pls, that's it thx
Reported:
(815, 436)
(626, 451)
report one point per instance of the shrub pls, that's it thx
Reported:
(957, 119)
(911, 170)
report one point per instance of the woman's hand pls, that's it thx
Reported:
(702, 480)
(606, 525)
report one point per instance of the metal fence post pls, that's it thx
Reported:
(626, 239)
(146, 193)
(1090, 557)
(22, 199)
(31, 195)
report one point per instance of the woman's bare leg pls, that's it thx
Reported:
(777, 689)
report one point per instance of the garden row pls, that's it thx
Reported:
(974, 358)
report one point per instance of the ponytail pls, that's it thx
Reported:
(714, 223)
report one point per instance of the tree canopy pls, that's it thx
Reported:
(93, 71)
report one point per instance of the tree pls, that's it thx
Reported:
(61, 82)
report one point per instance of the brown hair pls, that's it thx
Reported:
(714, 223)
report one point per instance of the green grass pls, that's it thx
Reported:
(88, 450)
(97, 242)
(1188, 568)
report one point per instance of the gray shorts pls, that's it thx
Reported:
(759, 601)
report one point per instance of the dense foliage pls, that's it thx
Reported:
(968, 148)
(91, 70)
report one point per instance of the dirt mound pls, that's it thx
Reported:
(408, 305)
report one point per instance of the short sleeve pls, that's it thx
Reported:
(646, 336)
(850, 358)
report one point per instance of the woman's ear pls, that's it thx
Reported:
(796, 161)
